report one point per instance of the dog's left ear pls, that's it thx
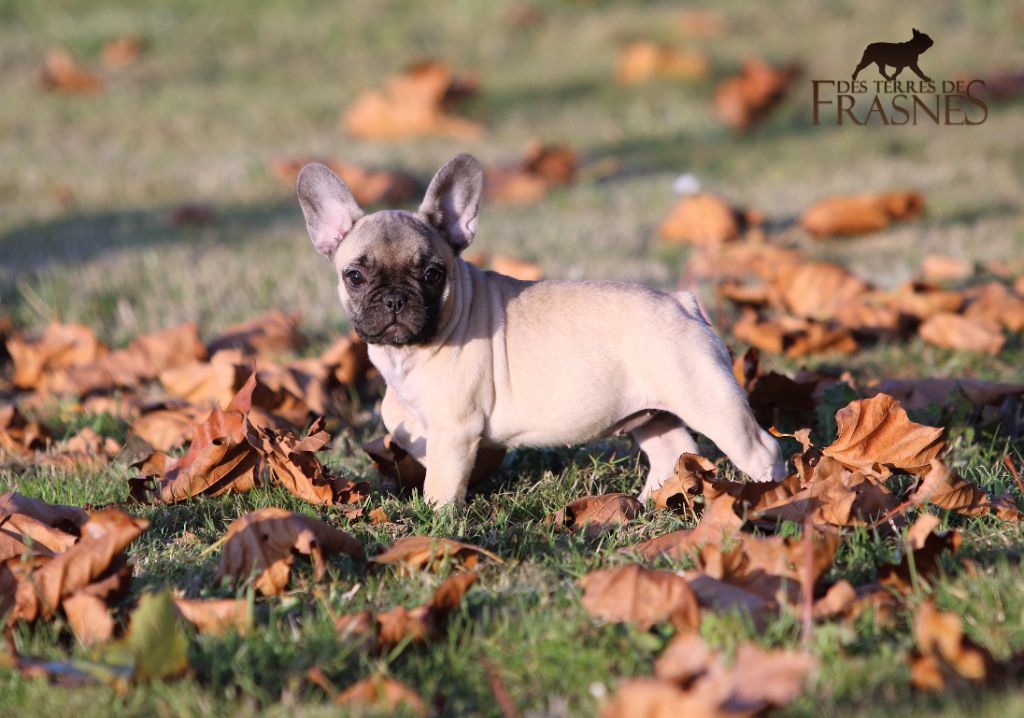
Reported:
(453, 200)
(328, 206)
(916, 31)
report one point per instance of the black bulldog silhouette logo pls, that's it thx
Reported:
(897, 55)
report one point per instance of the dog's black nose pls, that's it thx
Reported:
(394, 301)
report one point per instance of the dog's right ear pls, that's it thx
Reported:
(328, 206)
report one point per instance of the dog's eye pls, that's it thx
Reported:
(433, 276)
(355, 278)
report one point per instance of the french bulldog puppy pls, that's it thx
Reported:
(476, 361)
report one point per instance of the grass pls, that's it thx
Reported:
(222, 88)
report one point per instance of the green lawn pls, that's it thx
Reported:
(222, 88)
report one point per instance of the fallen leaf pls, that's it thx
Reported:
(746, 98)
(946, 489)
(640, 596)
(644, 60)
(62, 74)
(429, 552)
(413, 103)
(347, 360)
(954, 331)
(60, 346)
(382, 692)
(718, 523)
(703, 219)
(424, 622)
(45, 582)
(942, 268)
(368, 186)
(943, 651)
(918, 394)
(861, 213)
(121, 51)
(594, 515)
(528, 180)
(817, 290)
(794, 336)
(993, 302)
(260, 545)
(216, 615)
(219, 460)
(20, 436)
(193, 214)
(876, 432)
(166, 425)
(517, 268)
(922, 300)
(923, 549)
(686, 483)
(272, 333)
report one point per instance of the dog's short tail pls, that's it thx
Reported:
(690, 302)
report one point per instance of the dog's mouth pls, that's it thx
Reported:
(394, 333)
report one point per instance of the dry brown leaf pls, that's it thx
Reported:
(368, 186)
(817, 290)
(19, 436)
(944, 653)
(429, 552)
(393, 462)
(917, 394)
(43, 583)
(272, 333)
(644, 60)
(219, 460)
(517, 268)
(166, 425)
(686, 483)
(746, 98)
(62, 74)
(88, 617)
(945, 488)
(640, 596)
(205, 383)
(60, 346)
(877, 432)
(793, 336)
(703, 219)
(261, 545)
(954, 331)
(922, 300)
(718, 523)
(29, 525)
(347, 360)
(216, 615)
(706, 688)
(413, 103)
(121, 51)
(742, 259)
(594, 515)
(941, 268)
(382, 692)
(923, 549)
(528, 180)
(861, 213)
(992, 302)
(424, 622)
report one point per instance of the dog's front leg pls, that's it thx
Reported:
(451, 453)
(917, 71)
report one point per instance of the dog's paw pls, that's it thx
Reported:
(774, 474)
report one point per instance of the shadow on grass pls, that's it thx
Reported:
(80, 237)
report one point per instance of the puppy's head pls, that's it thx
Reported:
(921, 40)
(393, 265)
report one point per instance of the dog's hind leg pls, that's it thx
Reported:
(705, 396)
(864, 62)
(662, 440)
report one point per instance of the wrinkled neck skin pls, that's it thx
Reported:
(394, 362)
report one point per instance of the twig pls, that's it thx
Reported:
(1008, 460)
(501, 694)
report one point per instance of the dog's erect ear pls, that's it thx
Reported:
(328, 206)
(916, 31)
(453, 200)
